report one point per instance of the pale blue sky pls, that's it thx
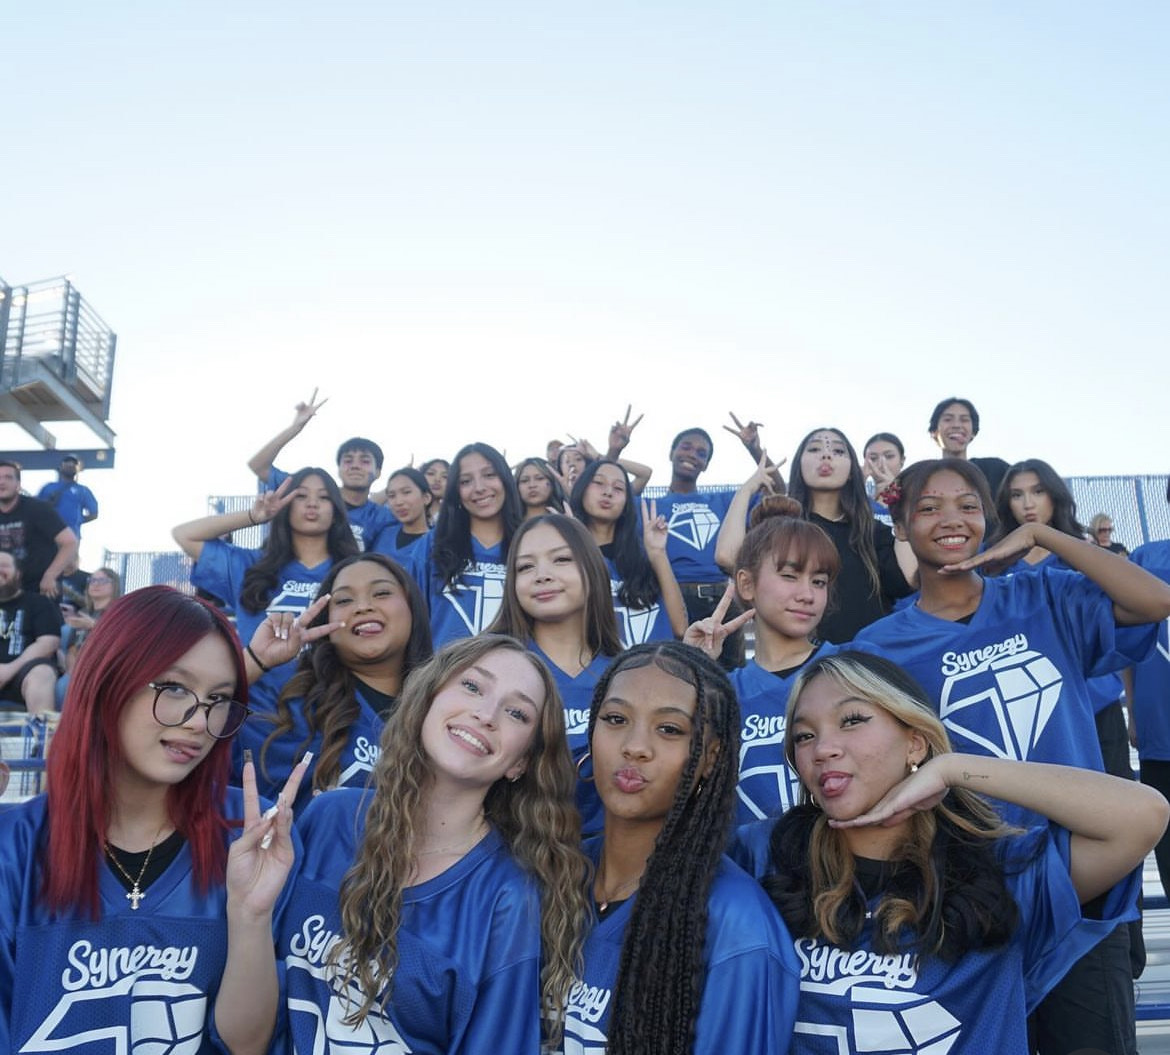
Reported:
(507, 222)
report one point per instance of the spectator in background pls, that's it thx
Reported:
(1101, 532)
(74, 502)
(102, 588)
(40, 542)
(954, 423)
(30, 631)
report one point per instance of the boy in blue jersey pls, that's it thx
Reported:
(359, 464)
(693, 522)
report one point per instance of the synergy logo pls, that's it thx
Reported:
(693, 523)
(478, 603)
(1000, 697)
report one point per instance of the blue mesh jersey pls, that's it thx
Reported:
(750, 983)
(1151, 677)
(576, 698)
(858, 1000)
(132, 981)
(1011, 683)
(636, 626)
(367, 521)
(767, 785)
(468, 975)
(357, 759)
(692, 523)
(470, 605)
(220, 571)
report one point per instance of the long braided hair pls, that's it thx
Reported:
(660, 976)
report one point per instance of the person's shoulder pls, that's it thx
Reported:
(1153, 556)
(38, 604)
(333, 814)
(51, 489)
(739, 914)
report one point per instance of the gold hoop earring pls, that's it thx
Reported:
(580, 763)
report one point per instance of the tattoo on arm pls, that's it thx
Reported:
(968, 775)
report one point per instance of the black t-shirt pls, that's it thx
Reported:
(854, 604)
(23, 619)
(27, 532)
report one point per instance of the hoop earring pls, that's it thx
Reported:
(580, 763)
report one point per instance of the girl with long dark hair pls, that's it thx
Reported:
(419, 916)
(308, 531)
(128, 908)
(408, 497)
(557, 602)
(364, 635)
(915, 909)
(460, 565)
(539, 488)
(632, 538)
(685, 956)
(828, 482)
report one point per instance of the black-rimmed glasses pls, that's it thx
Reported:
(174, 704)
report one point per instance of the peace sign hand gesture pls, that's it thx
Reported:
(269, 503)
(282, 635)
(620, 431)
(710, 633)
(304, 411)
(654, 529)
(749, 434)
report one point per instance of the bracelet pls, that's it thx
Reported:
(256, 659)
(252, 521)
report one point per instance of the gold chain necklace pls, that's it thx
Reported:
(134, 895)
(604, 900)
(459, 848)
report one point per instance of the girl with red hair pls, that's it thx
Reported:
(120, 887)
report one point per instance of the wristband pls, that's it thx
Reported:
(256, 659)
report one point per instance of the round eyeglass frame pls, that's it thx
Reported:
(232, 707)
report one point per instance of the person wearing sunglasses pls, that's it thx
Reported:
(138, 895)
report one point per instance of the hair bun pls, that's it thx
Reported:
(774, 506)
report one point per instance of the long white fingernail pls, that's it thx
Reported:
(307, 757)
(268, 815)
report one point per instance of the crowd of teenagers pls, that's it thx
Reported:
(482, 762)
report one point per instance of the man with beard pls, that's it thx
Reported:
(44, 547)
(30, 631)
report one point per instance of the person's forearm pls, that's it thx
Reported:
(672, 597)
(245, 1009)
(1138, 596)
(261, 462)
(65, 560)
(1114, 822)
(194, 533)
(44, 647)
(732, 530)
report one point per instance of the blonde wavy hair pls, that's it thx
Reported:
(831, 870)
(536, 817)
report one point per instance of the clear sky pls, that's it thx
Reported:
(505, 222)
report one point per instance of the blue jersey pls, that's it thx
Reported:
(856, 999)
(1105, 689)
(636, 626)
(468, 974)
(1011, 682)
(577, 697)
(750, 974)
(1151, 677)
(767, 784)
(468, 606)
(74, 502)
(367, 521)
(220, 571)
(692, 523)
(134, 980)
(273, 766)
